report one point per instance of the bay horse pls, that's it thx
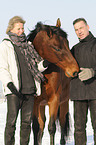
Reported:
(51, 43)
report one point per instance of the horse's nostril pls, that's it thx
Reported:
(75, 74)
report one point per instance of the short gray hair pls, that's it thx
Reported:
(12, 21)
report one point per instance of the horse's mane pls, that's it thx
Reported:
(41, 27)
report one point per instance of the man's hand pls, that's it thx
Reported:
(86, 73)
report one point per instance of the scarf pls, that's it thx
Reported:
(30, 54)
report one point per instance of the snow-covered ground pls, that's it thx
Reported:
(46, 139)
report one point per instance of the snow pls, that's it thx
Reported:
(46, 138)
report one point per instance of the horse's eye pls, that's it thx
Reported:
(55, 47)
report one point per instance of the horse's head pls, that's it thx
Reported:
(52, 44)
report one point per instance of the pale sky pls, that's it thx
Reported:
(47, 11)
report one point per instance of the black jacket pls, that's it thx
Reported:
(85, 55)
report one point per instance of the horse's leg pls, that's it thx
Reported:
(53, 109)
(41, 121)
(64, 121)
(38, 123)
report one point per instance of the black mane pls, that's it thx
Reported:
(39, 27)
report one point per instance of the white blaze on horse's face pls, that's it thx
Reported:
(18, 28)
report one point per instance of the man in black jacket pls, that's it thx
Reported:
(83, 87)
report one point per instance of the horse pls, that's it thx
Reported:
(52, 44)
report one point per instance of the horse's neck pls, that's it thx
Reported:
(53, 69)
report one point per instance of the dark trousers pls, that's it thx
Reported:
(80, 120)
(14, 104)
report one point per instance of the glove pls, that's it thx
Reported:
(86, 73)
(46, 63)
(13, 89)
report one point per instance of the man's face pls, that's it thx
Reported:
(81, 30)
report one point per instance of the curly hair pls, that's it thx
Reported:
(12, 21)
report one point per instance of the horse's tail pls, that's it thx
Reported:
(67, 124)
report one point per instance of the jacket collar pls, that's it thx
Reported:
(90, 36)
(8, 43)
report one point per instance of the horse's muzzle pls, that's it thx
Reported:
(75, 74)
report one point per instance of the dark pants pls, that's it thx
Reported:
(80, 120)
(14, 104)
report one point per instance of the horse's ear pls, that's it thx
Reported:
(58, 24)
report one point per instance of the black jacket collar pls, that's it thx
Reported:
(90, 36)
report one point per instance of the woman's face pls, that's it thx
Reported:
(18, 28)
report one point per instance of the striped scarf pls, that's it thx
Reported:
(30, 54)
